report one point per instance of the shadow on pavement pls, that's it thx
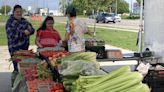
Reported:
(5, 81)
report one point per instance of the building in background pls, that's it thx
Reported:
(46, 11)
(43, 12)
(55, 13)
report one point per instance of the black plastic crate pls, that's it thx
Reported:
(157, 90)
(100, 51)
(155, 80)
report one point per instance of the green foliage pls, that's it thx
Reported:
(8, 9)
(133, 17)
(96, 6)
(123, 6)
(3, 18)
(130, 17)
(138, 1)
(91, 5)
(63, 4)
(80, 5)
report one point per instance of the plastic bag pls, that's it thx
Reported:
(80, 67)
(19, 84)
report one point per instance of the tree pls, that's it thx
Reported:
(80, 5)
(138, 1)
(63, 4)
(37, 10)
(8, 9)
(123, 6)
(92, 6)
(24, 10)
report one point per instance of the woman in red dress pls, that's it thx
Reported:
(47, 36)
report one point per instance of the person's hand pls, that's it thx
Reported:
(27, 32)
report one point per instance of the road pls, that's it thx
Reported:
(124, 24)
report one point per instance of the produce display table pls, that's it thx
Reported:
(74, 73)
(111, 64)
(129, 59)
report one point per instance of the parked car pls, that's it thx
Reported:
(105, 18)
(28, 14)
(117, 18)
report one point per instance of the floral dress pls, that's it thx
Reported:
(76, 29)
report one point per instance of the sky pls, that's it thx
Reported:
(52, 4)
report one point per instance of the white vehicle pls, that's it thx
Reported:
(117, 18)
(105, 18)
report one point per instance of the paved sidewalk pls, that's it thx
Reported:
(5, 72)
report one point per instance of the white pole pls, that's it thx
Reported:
(5, 9)
(94, 33)
(141, 28)
(116, 8)
(131, 6)
(4, 3)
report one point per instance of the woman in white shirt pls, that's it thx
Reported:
(75, 29)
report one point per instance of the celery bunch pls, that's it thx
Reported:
(120, 80)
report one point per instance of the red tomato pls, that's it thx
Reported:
(60, 90)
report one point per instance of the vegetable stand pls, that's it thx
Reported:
(76, 72)
(37, 75)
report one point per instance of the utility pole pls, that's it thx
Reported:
(47, 7)
(131, 6)
(116, 7)
(64, 7)
(141, 29)
(34, 7)
(5, 9)
(4, 3)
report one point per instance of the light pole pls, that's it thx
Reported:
(116, 8)
(47, 8)
(131, 6)
(5, 9)
(4, 3)
(141, 29)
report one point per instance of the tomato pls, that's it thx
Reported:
(60, 90)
